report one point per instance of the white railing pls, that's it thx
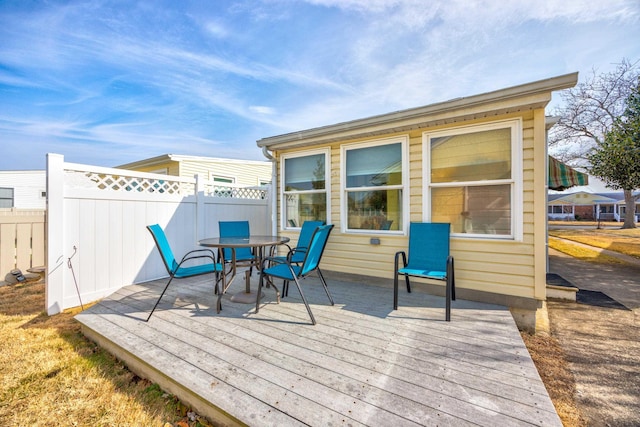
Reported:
(97, 218)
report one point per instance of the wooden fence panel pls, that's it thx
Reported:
(22, 239)
(7, 248)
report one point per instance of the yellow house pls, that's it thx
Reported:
(231, 171)
(479, 163)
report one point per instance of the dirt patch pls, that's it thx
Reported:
(551, 362)
(602, 348)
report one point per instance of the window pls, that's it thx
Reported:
(472, 179)
(374, 182)
(6, 197)
(560, 209)
(223, 179)
(304, 188)
(161, 171)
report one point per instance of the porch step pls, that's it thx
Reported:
(560, 288)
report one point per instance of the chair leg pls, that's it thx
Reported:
(450, 292)
(313, 319)
(324, 284)
(161, 295)
(219, 299)
(259, 292)
(395, 291)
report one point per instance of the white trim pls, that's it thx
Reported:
(404, 187)
(516, 181)
(327, 183)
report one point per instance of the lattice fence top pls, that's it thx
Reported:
(106, 179)
(123, 183)
(227, 191)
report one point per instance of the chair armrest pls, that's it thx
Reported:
(293, 251)
(404, 260)
(199, 253)
(274, 260)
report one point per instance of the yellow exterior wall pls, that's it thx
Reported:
(245, 173)
(172, 167)
(507, 267)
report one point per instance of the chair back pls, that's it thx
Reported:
(428, 245)
(163, 247)
(235, 229)
(314, 253)
(308, 227)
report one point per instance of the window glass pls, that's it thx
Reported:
(304, 189)
(471, 179)
(6, 197)
(374, 166)
(373, 185)
(484, 209)
(477, 156)
(305, 207)
(224, 179)
(304, 173)
(375, 210)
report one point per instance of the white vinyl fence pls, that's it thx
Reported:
(97, 218)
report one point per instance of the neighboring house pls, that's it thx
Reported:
(578, 205)
(590, 202)
(477, 162)
(23, 189)
(229, 171)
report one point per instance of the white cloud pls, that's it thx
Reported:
(262, 109)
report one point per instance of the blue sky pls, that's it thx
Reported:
(111, 82)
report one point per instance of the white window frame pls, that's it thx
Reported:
(327, 184)
(516, 181)
(213, 176)
(13, 196)
(404, 187)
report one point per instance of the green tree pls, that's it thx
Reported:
(616, 160)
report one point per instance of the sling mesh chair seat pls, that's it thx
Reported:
(428, 258)
(284, 268)
(175, 268)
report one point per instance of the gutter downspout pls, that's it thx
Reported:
(274, 200)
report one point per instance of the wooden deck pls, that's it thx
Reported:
(362, 364)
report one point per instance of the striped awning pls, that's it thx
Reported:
(562, 176)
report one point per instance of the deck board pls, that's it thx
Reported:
(362, 364)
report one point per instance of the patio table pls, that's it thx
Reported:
(258, 242)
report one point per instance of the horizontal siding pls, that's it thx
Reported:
(495, 266)
(28, 187)
(248, 173)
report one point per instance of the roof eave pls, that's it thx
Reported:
(514, 99)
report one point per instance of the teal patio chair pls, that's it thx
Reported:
(296, 255)
(428, 258)
(287, 270)
(176, 270)
(239, 256)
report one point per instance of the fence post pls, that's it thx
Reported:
(56, 272)
(200, 216)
